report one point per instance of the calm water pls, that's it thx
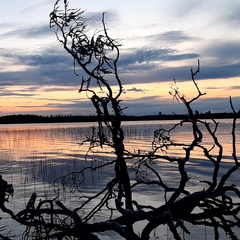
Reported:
(33, 156)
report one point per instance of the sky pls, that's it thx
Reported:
(160, 41)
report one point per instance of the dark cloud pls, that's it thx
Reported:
(172, 37)
(162, 74)
(179, 57)
(220, 71)
(29, 32)
(213, 87)
(5, 92)
(234, 16)
(234, 87)
(223, 88)
(53, 57)
(223, 51)
(40, 77)
(51, 67)
(46, 59)
(145, 59)
(10, 94)
(143, 55)
(73, 107)
(134, 89)
(15, 94)
(5, 83)
(216, 105)
(156, 104)
(69, 106)
(152, 105)
(147, 99)
(33, 88)
(56, 89)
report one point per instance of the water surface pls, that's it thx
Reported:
(32, 156)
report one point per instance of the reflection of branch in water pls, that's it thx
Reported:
(6, 190)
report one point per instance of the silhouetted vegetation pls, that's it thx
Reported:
(215, 203)
(31, 118)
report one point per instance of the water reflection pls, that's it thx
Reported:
(44, 152)
(33, 156)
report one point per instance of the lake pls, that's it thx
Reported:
(34, 155)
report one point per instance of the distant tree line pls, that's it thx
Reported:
(32, 118)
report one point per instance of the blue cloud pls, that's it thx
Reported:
(29, 32)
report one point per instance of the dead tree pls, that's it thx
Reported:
(217, 203)
(98, 56)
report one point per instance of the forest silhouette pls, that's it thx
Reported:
(33, 118)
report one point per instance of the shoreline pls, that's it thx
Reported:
(31, 118)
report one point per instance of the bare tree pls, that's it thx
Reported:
(217, 204)
(98, 57)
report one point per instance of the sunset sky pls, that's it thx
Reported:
(161, 41)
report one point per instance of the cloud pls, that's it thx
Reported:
(230, 16)
(43, 67)
(216, 105)
(73, 107)
(58, 89)
(234, 87)
(186, 8)
(223, 50)
(152, 105)
(51, 65)
(172, 37)
(213, 88)
(15, 94)
(94, 19)
(6, 25)
(149, 59)
(142, 106)
(143, 55)
(152, 56)
(37, 90)
(55, 67)
(45, 59)
(5, 91)
(30, 32)
(179, 57)
(35, 7)
(182, 73)
(155, 104)
(40, 77)
(134, 89)
(220, 71)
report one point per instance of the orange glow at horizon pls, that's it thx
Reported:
(53, 98)
(214, 88)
